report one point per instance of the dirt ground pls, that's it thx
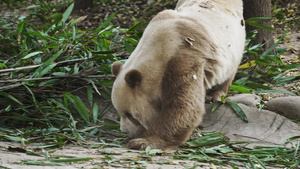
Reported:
(102, 158)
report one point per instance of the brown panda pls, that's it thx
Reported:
(160, 90)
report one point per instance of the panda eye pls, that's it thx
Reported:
(132, 119)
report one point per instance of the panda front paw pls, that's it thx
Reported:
(152, 142)
(138, 144)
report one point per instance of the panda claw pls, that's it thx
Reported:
(138, 144)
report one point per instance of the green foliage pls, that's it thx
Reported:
(234, 106)
(253, 22)
(214, 148)
(49, 67)
(265, 70)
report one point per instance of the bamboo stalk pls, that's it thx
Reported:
(54, 77)
(62, 63)
(19, 68)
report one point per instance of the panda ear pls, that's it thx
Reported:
(133, 78)
(116, 67)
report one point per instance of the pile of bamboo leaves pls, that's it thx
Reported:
(45, 60)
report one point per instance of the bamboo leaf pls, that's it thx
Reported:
(79, 106)
(32, 6)
(296, 155)
(73, 32)
(253, 22)
(274, 91)
(32, 54)
(33, 97)
(12, 138)
(290, 66)
(134, 27)
(259, 19)
(216, 105)
(104, 52)
(132, 41)
(77, 20)
(90, 95)
(67, 13)
(251, 163)
(41, 163)
(247, 65)
(45, 71)
(49, 61)
(3, 65)
(290, 139)
(20, 26)
(275, 45)
(11, 98)
(150, 151)
(95, 112)
(44, 6)
(72, 159)
(238, 111)
(128, 47)
(261, 26)
(239, 89)
(212, 139)
(106, 22)
(259, 161)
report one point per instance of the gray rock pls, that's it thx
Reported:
(246, 99)
(286, 106)
(265, 128)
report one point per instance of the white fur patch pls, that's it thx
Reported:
(195, 77)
